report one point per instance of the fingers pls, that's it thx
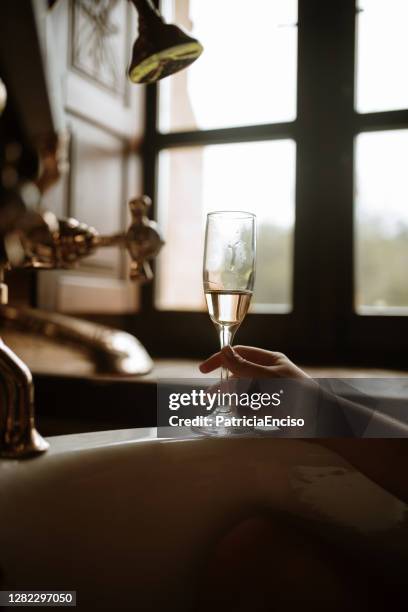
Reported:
(249, 353)
(252, 362)
(239, 366)
(258, 355)
(210, 364)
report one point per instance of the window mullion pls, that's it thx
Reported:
(323, 285)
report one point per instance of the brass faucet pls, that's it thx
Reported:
(40, 240)
(33, 239)
(18, 435)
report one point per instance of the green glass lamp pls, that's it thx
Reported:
(161, 49)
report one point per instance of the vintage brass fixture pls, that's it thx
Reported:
(111, 351)
(42, 241)
(31, 238)
(18, 435)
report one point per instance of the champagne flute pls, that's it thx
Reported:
(228, 277)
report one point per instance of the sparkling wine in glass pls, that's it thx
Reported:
(228, 276)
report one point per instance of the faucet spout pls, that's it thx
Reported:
(18, 435)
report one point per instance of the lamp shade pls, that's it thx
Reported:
(161, 49)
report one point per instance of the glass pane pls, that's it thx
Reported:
(382, 52)
(381, 220)
(247, 72)
(257, 177)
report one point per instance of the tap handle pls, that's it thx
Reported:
(139, 208)
(143, 239)
(141, 272)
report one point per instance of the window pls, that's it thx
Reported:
(382, 51)
(382, 221)
(296, 111)
(254, 176)
(381, 183)
(247, 74)
(228, 88)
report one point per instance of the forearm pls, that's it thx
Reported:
(383, 460)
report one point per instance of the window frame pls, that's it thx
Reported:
(323, 323)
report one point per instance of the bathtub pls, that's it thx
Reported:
(127, 520)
